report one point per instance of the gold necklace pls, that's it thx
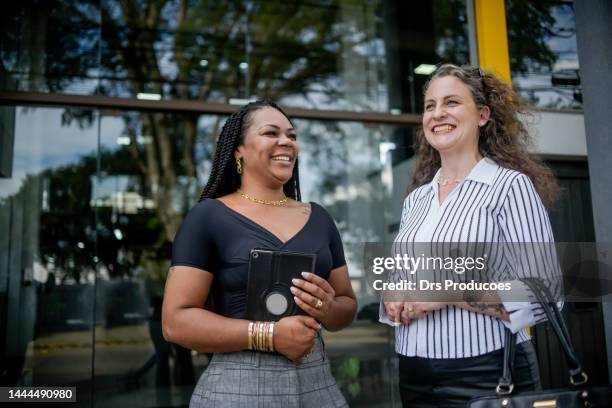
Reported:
(443, 181)
(276, 203)
(446, 181)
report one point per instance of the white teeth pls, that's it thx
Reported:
(282, 158)
(443, 128)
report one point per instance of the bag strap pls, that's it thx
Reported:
(545, 297)
(577, 375)
(505, 385)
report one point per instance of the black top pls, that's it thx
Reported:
(218, 239)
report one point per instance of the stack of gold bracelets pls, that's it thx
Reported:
(261, 336)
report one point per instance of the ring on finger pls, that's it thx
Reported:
(318, 304)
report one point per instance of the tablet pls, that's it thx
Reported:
(269, 297)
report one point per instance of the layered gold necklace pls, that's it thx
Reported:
(276, 203)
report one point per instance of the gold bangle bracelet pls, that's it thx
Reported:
(264, 338)
(256, 336)
(250, 336)
(271, 338)
(260, 336)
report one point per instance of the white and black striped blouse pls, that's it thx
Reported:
(492, 204)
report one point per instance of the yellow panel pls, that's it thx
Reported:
(492, 36)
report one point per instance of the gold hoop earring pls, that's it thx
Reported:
(238, 166)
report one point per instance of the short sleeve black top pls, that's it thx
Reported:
(215, 238)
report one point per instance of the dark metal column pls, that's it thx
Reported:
(594, 33)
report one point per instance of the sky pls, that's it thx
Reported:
(42, 142)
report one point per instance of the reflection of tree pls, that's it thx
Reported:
(159, 46)
(167, 150)
(72, 235)
(530, 26)
(543, 56)
(345, 157)
(449, 29)
(533, 31)
(67, 226)
(191, 50)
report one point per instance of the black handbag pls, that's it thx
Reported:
(578, 395)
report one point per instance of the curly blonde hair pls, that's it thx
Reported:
(504, 138)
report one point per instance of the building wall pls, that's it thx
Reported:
(89, 228)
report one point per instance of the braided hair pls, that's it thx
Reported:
(224, 178)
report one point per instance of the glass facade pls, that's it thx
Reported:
(543, 53)
(47, 250)
(90, 199)
(356, 55)
(90, 208)
(93, 197)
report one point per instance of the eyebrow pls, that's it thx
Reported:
(446, 97)
(274, 126)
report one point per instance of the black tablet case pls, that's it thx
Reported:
(270, 273)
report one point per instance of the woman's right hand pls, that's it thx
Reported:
(406, 312)
(394, 311)
(294, 336)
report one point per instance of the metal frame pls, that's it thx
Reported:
(186, 106)
(472, 35)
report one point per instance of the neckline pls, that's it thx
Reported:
(266, 230)
(436, 187)
(469, 176)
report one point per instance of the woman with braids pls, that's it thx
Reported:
(474, 181)
(252, 200)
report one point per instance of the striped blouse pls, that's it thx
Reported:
(492, 204)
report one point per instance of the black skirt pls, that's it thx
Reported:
(428, 382)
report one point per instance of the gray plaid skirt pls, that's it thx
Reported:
(253, 379)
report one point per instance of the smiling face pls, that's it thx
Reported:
(451, 119)
(269, 150)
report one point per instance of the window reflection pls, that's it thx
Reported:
(342, 55)
(50, 46)
(91, 210)
(543, 53)
(348, 168)
(345, 166)
(96, 197)
(47, 251)
(151, 169)
(307, 54)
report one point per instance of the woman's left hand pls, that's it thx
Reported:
(314, 295)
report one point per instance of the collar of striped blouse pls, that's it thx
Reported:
(483, 172)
